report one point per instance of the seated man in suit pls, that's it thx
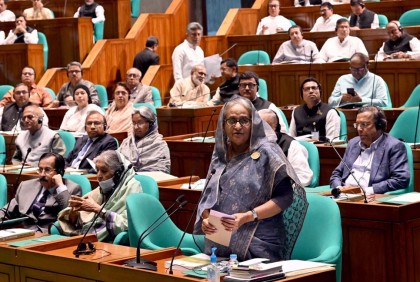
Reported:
(42, 198)
(378, 161)
(37, 139)
(366, 87)
(296, 153)
(92, 145)
(139, 93)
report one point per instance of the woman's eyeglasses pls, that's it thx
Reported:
(242, 121)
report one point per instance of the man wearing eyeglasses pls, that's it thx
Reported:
(139, 93)
(10, 115)
(377, 161)
(42, 198)
(92, 145)
(274, 23)
(360, 86)
(191, 91)
(38, 138)
(327, 21)
(65, 94)
(248, 88)
(38, 95)
(314, 117)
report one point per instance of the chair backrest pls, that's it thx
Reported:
(156, 96)
(404, 127)
(2, 151)
(343, 125)
(292, 22)
(3, 190)
(321, 237)
(262, 89)
(135, 8)
(389, 105)
(42, 39)
(69, 140)
(313, 160)
(4, 89)
(411, 17)
(410, 187)
(98, 31)
(53, 96)
(81, 180)
(254, 57)
(414, 99)
(138, 105)
(283, 117)
(383, 20)
(148, 184)
(102, 95)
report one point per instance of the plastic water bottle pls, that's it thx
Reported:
(233, 261)
(213, 274)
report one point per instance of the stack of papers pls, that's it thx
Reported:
(403, 199)
(256, 270)
(191, 262)
(14, 233)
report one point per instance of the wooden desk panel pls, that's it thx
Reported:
(69, 39)
(283, 81)
(13, 58)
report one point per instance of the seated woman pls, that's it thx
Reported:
(254, 182)
(74, 119)
(145, 148)
(118, 114)
(116, 182)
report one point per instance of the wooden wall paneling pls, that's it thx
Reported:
(54, 79)
(161, 77)
(14, 57)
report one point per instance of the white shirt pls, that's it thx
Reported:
(18, 128)
(7, 16)
(99, 11)
(332, 125)
(305, 52)
(414, 53)
(273, 23)
(298, 158)
(28, 38)
(334, 50)
(184, 57)
(326, 25)
(74, 120)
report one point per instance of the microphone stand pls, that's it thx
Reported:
(310, 63)
(78, 250)
(11, 139)
(189, 221)
(374, 76)
(417, 124)
(336, 191)
(15, 189)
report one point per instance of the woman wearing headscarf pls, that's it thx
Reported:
(74, 119)
(145, 148)
(116, 182)
(254, 182)
(118, 114)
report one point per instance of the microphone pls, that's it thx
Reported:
(374, 76)
(80, 250)
(16, 183)
(336, 191)
(310, 63)
(417, 124)
(147, 264)
(13, 135)
(212, 172)
(204, 138)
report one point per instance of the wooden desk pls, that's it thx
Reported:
(69, 39)
(380, 242)
(9, 141)
(13, 58)
(283, 81)
(177, 121)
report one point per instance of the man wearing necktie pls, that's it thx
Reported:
(42, 198)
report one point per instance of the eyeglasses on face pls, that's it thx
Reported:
(362, 125)
(74, 71)
(46, 170)
(361, 69)
(23, 92)
(122, 93)
(250, 85)
(273, 6)
(95, 123)
(140, 123)
(29, 117)
(244, 121)
(27, 73)
(132, 75)
(309, 88)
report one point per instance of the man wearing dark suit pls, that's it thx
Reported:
(377, 160)
(92, 145)
(41, 199)
(148, 56)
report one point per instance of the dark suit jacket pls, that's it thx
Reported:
(26, 194)
(389, 169)
(144, 59)
(102, 143)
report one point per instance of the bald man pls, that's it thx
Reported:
(139, 93)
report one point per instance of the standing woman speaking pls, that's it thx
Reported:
(254, 182)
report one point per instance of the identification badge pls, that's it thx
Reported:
(256, 155)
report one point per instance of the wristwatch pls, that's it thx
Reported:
(103, 213)
(254, 215)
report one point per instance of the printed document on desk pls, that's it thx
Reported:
(221, 236)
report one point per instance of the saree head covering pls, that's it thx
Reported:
(246, 181)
